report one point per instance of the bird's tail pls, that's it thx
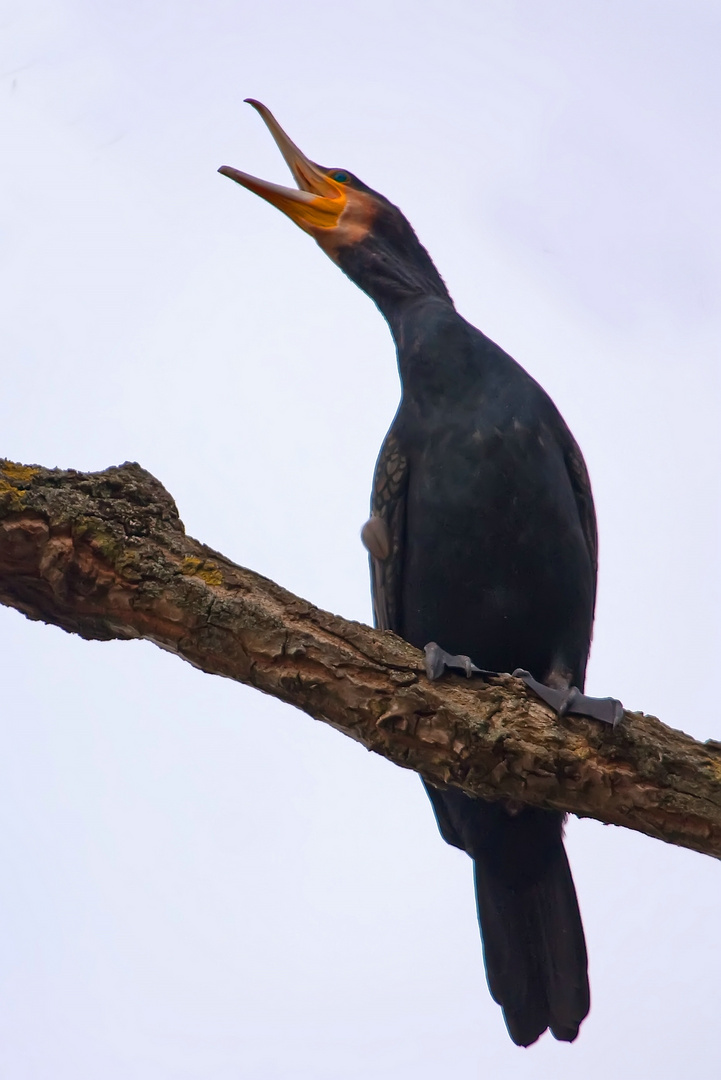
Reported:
(533, 942)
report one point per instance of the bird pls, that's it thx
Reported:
(483, 548)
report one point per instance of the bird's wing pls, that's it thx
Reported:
(581, 485)
(384, 533)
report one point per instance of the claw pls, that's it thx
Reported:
(438, 661)
(572, 702)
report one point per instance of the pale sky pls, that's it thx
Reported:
(200, 883)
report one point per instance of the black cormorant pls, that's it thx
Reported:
(482, 538)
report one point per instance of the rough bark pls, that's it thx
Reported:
(105, 555)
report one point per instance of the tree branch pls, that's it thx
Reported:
(105, 555)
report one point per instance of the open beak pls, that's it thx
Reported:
(317, 202)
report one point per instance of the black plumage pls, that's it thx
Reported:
(493, 554)
(483, 539)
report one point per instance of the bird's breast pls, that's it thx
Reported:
(496, 560)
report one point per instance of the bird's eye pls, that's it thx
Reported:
(341, 177)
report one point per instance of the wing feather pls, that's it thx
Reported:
(581, 485)
(384, 534)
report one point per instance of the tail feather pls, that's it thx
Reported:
(534, 950)
(533, 943)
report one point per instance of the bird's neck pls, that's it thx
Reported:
(393, 281)
(436, 356)
(428, 333)
(414, 318)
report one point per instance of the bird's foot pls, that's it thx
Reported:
(571, 700)
(438, 661)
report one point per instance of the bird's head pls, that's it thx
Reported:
(364, 233)
(330, 204)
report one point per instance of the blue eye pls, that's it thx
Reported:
(341, 177)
